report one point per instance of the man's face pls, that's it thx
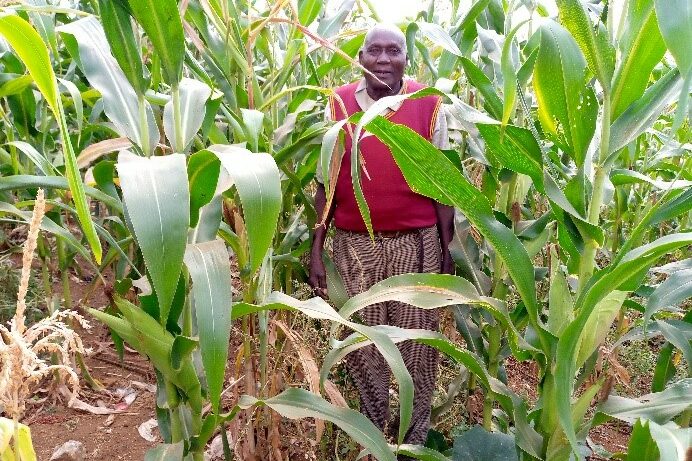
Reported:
(383, 55)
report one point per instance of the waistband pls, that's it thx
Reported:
(388, 234)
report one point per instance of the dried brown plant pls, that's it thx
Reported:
(25, 352)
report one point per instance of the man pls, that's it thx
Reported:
(412, 232)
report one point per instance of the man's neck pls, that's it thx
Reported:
(377, 94)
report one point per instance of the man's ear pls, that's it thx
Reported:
(360, 56)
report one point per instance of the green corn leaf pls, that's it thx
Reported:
(673, 441)
(433, 339)
(132, 118)
(55, 182)
(644, 111)
(350, 47)
(526, 70)
(675, 23)
(361, 120)
(22, 106)
(252, 127)
(308, 10)
(298, 403)
(641, 49)
(567, 106)
(419, 452)
(120, 326)
(566, 214)
(436, 34)
(38, 159)
(156, 342)
(210, 219)
(509, 76)
(331, 24)
(622, 274)
(558, 448)
(672, 291)
(493, 103)
(476, 9)
(47, 225)
(641, 446)
(76, 101)
(117, 25)
(679, 334)
(256, 178)
(155, 192)
(430, 291)
(166, 452)
(44, 22)
(28, 45)
(560, 303)
(665, 368)
(599, 323)
(430, 173)
(593, 40)
(193, 97)
(210, 269)
(203, 169)
(622, 176)
(516, 150)
(161, 22)
(663, 210)
(16, 85)
(466, 254)
(327, 151)
(335, 284)
(182, 349)
(660, 407)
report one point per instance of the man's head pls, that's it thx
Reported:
(384, 54)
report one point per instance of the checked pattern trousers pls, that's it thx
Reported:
(363, 262)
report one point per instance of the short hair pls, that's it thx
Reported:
(385, 27)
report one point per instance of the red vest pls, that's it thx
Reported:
(393, 205)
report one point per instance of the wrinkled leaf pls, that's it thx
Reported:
(193, 97)
(120, 101)
(567, 106)
(210, 270)
(155, 193)
(256, 177)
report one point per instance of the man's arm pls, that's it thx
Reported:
(318, 274)
(445, 228)
(445, 214)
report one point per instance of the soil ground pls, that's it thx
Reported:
(105, 437)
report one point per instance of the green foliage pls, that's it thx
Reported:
(567, 107)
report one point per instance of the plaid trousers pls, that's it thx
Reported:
(363, 262)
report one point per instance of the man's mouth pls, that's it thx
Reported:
(381, 73)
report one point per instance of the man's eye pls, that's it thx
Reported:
(393, 51)
(375, 51)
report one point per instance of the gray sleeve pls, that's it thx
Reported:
(440, 136)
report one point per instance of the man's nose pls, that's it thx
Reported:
(383, 57)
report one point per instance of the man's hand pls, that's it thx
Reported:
(447, 266)
(445, 228)
(318, 276)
